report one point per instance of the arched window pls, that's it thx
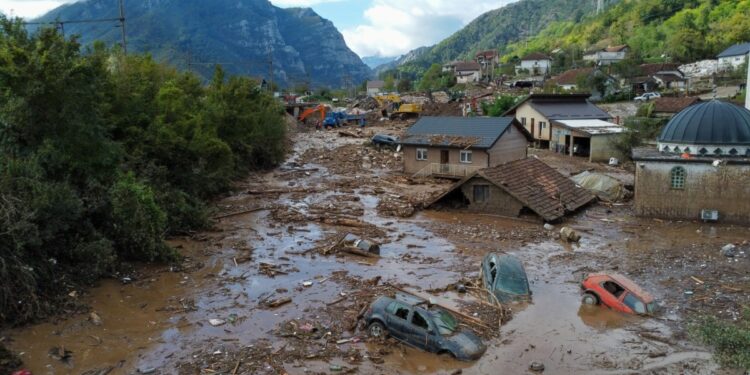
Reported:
(678, 178)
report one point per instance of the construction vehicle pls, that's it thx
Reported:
(321, 109)
(386, 99)
(407, 111)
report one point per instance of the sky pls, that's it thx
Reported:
(370, 27)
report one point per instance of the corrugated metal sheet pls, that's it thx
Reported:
(474, 132)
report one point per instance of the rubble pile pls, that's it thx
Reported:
(416, 99)
(393, 205)
(347, 160)
(700, 69)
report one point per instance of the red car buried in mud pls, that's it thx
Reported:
(617, 292)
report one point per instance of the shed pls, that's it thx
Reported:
(517, 187)
(591, 137)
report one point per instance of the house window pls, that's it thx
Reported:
(481, 193)
(542, 124)
(678, 178)
(421, 154)
(465, 156)
(523, 121)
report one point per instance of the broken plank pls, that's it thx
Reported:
(239, 213)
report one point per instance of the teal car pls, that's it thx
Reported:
(504, 276)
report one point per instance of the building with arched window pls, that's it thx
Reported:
(700, 168)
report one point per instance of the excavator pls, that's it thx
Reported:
(400, 110)
(311, 111)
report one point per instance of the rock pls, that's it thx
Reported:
(569, 235)
(729, 250)
(548, 226)
(536, 366)
(95, 319)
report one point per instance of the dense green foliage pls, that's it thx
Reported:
(102, 155)
(500, 105)
(679, 30)
(731, 341)
(639, 130)
(435, 79)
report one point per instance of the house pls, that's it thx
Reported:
(608, 56)
(537, 111)
(588, 138)
(468, 72)
(700, 168)
(667, 107)
(375, 87)
(488, 60)
(455, 147)
(734, 56)
(450, 67)
(515, 188)
(665, 76)
(535, 64)
(570, 80)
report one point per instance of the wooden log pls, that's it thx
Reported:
(466, 317)
(239, 213)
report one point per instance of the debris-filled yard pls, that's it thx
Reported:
(284, 280)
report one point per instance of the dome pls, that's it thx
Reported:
(713, 123)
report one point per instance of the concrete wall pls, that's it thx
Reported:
(499, 202)
(412, 165)
(541, 66)
(602, 148)
(512, 145)
(725, 188)
(526, 111)
(731, 62)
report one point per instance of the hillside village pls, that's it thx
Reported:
(559, 211)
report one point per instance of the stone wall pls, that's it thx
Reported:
(725, 188)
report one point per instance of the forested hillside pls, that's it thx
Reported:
(102, 155)
(680, 30)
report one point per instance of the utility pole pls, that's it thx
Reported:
(122, 27)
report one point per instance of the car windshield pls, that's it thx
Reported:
(511, 277)
(445, 322)
(634, 303)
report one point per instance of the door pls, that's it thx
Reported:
(532, 129)
(398, 321)
(445, 159)
(420, 333)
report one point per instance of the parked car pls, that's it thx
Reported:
(432, 329)
(504, 277)
(385, 140)
(647, 96)
(618, 293)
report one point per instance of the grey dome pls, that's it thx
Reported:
(710, 123)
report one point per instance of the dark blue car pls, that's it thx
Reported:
(504, 276)
(434, 330)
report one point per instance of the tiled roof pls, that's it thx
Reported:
(736, 50)
(536, 185)
(570, 77)
(465, 132)
(535, 56)
(467, 66)
(651, 69)
(673, 105)
(487, 54)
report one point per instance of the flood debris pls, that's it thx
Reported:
(59, 353)
(217, 322)
(95, 319)
(536, 366)
(274, 303)
(569, 234)
(729, 250)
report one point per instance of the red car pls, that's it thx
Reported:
(618, 293)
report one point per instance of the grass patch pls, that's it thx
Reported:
(730, 340)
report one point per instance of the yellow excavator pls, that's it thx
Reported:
(393, 104)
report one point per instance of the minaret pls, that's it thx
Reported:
(747, 84)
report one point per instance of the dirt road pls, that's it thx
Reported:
(218, 313)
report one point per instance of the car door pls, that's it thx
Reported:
(420, 331)
(398, 320)
(612, 294)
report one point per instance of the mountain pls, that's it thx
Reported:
(246, 36)
(497, 28)
(409, 57)
(375, 61)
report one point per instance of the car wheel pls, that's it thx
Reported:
(589, 299)
(376, 330)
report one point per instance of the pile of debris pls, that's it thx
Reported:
(402, 205)
(415, 99)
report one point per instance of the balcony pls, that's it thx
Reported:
(452, 171)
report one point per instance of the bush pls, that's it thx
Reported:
(731, 341)
(638, 131)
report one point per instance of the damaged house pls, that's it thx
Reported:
(454, 147)
(525, 187)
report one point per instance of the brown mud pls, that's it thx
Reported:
(215, 314)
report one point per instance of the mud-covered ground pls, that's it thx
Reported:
(266, 291)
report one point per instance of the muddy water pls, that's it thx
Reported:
(145, 325)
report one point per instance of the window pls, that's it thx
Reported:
(542, 124)
(481, 193)
(402, 312)
(523, 121)
(613, 288)
(419, 321)
(678, 178)
(421, 154)
(465, 157)
(634, 303)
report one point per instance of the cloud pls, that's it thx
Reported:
(30, 8)
(394, 27)
(301, 3)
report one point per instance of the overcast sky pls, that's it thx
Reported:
(370, 27)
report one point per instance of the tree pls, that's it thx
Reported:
(404, 85)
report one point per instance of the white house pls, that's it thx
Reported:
(375, 87)
(608, 56)
(734, 56)
(535, 63)
(468, 72)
